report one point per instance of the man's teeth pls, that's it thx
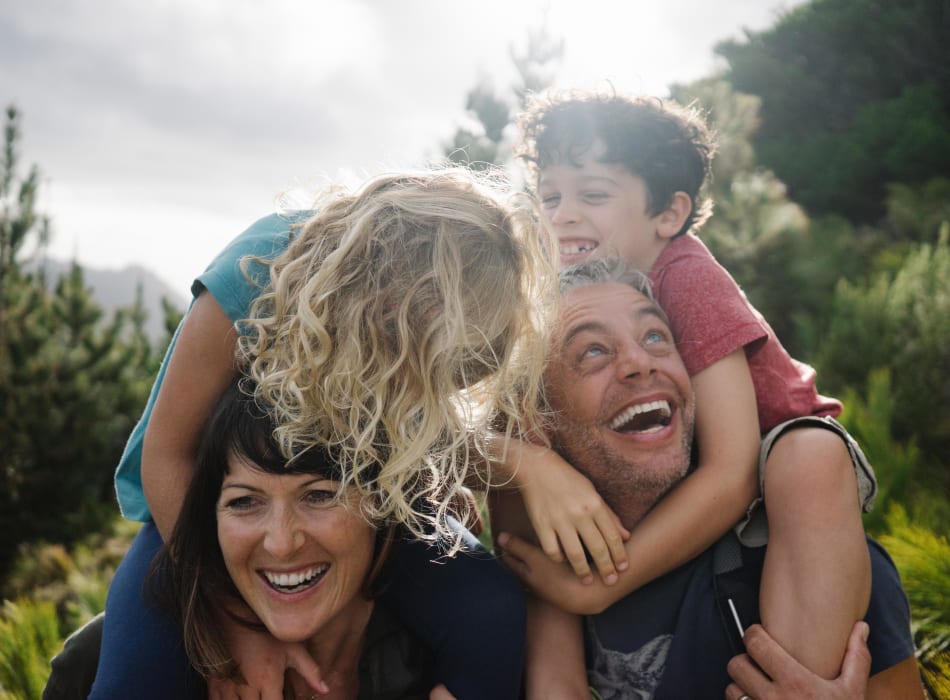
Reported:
(290, 581)
(661, 408)
(576, 248)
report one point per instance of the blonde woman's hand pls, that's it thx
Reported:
(569, 516)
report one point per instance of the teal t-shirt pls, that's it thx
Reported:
(225, 280)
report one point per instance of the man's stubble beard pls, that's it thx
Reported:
(631, 487)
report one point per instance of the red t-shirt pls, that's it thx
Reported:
(711, 318)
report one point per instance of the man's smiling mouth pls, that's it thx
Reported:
(647, 417)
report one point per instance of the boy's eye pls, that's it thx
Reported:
(595, 197)
(550, 201)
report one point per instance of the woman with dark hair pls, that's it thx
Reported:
(277, 546)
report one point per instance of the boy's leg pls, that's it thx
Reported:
(469, 609)
(142, 654)
(816, 580)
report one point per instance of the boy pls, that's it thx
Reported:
(622, 176)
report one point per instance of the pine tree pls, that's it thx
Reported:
(71, 382)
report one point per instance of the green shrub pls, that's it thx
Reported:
(29, 637)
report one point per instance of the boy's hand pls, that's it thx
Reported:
(554, 583)
(568, 515)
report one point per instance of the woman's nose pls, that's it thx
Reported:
(283, 536)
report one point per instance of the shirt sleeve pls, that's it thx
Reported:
(709, 313)
(890, 640)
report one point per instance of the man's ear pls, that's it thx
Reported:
(671, 220)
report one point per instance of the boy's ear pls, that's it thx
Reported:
(670, 221)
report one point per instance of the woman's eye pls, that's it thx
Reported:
(319, 497)
(241, 503)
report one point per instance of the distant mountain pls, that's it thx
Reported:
(113, 289)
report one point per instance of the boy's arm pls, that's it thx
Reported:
(568, 518)
(693, 515)
(712, 499)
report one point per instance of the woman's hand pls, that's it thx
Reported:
(767, 672)
(440, 692)
(263, 663)
(568, 515)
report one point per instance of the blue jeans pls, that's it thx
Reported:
(468, 609)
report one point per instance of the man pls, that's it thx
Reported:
(624, 412)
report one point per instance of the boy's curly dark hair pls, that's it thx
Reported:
(669, 146)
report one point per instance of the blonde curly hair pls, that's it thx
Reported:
(402, 323)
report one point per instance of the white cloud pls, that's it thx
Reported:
(183, 119)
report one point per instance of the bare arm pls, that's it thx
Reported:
(768, 671)
(704, 505)
(554, 654)
(199, 369)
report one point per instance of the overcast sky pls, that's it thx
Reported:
(164, 127)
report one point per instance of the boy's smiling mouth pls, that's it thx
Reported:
(575, 249)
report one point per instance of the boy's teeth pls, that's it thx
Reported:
(576, 248)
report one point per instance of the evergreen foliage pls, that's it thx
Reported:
(855, 95)
(485, 142)
(901, 321)
(71, 382)
(923, 559)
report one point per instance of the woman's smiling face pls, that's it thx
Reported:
(298, 556)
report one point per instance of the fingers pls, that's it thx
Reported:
(857, 659)
(548, 540)
(576, 555)
(612, 534)
(440, 692)
(300, 660)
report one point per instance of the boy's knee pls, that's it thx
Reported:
(810, 463)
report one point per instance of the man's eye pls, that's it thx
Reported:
(654, 337)
(594, 351)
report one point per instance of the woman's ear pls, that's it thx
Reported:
(671, 220)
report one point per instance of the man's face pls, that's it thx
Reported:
(599, 209)
(622, 397)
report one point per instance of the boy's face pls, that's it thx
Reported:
(598, 209)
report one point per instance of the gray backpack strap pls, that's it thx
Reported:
(727, 554)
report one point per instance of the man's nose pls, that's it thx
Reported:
(634, 361)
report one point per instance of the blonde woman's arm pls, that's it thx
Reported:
(201, 366)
